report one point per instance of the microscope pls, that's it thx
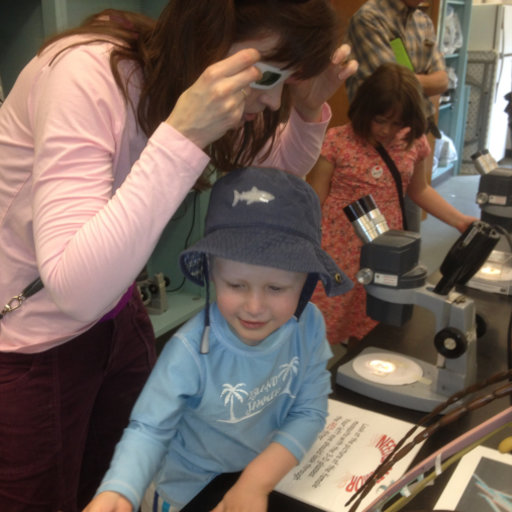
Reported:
(395, 281)
(495, 200)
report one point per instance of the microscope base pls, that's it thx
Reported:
(418, 396)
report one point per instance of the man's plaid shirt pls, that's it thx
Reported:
(375, 24)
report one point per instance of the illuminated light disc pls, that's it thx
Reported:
(490, 271)
(494, 272)
(387, 368)
(381, 366)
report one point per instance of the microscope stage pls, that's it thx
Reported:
(495, 275)
(418, 378)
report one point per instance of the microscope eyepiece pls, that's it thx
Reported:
(368, 203)
(366, 218)
(370, 207)
(354, 211)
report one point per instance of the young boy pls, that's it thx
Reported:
(244, 384)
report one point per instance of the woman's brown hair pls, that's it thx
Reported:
(191, 35)
(392, 88)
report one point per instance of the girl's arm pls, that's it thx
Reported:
(320, 178)
(429, 199)
(262, 474)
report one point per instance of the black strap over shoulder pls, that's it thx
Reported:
(397, 178)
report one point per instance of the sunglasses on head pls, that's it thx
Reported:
(271, 76)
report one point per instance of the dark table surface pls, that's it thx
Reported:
(414, 339)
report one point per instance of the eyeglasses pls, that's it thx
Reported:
(271, 76)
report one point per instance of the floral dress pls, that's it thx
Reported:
(358, 171)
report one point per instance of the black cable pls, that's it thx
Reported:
(505, 234)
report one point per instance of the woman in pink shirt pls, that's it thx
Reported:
(102, 136)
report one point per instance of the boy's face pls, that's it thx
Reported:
(255, 300)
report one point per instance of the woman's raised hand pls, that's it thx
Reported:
(215, 103)
(309, 95)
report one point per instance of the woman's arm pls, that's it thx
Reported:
(297, 145)
(429, 199)
(91, 243)
(299, 141)
(308, 96)
(320, 178)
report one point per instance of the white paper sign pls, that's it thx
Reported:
(343, 457)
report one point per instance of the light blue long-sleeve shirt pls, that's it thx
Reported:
(202, 415)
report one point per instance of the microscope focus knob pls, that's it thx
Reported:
(364, 275)
(482, 198)
(450, 342)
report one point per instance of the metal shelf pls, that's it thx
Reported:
(452, 115)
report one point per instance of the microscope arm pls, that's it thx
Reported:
(455, 338)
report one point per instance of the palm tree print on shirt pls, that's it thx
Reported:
(250, 403)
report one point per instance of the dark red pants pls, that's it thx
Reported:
(62, 412)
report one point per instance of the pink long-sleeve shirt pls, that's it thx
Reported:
(85, 195)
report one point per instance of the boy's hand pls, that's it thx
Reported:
(251, 490)
(109, 501)
(242, 499)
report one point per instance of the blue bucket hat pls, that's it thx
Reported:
(266, 217)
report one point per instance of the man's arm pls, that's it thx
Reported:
(433, 83)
